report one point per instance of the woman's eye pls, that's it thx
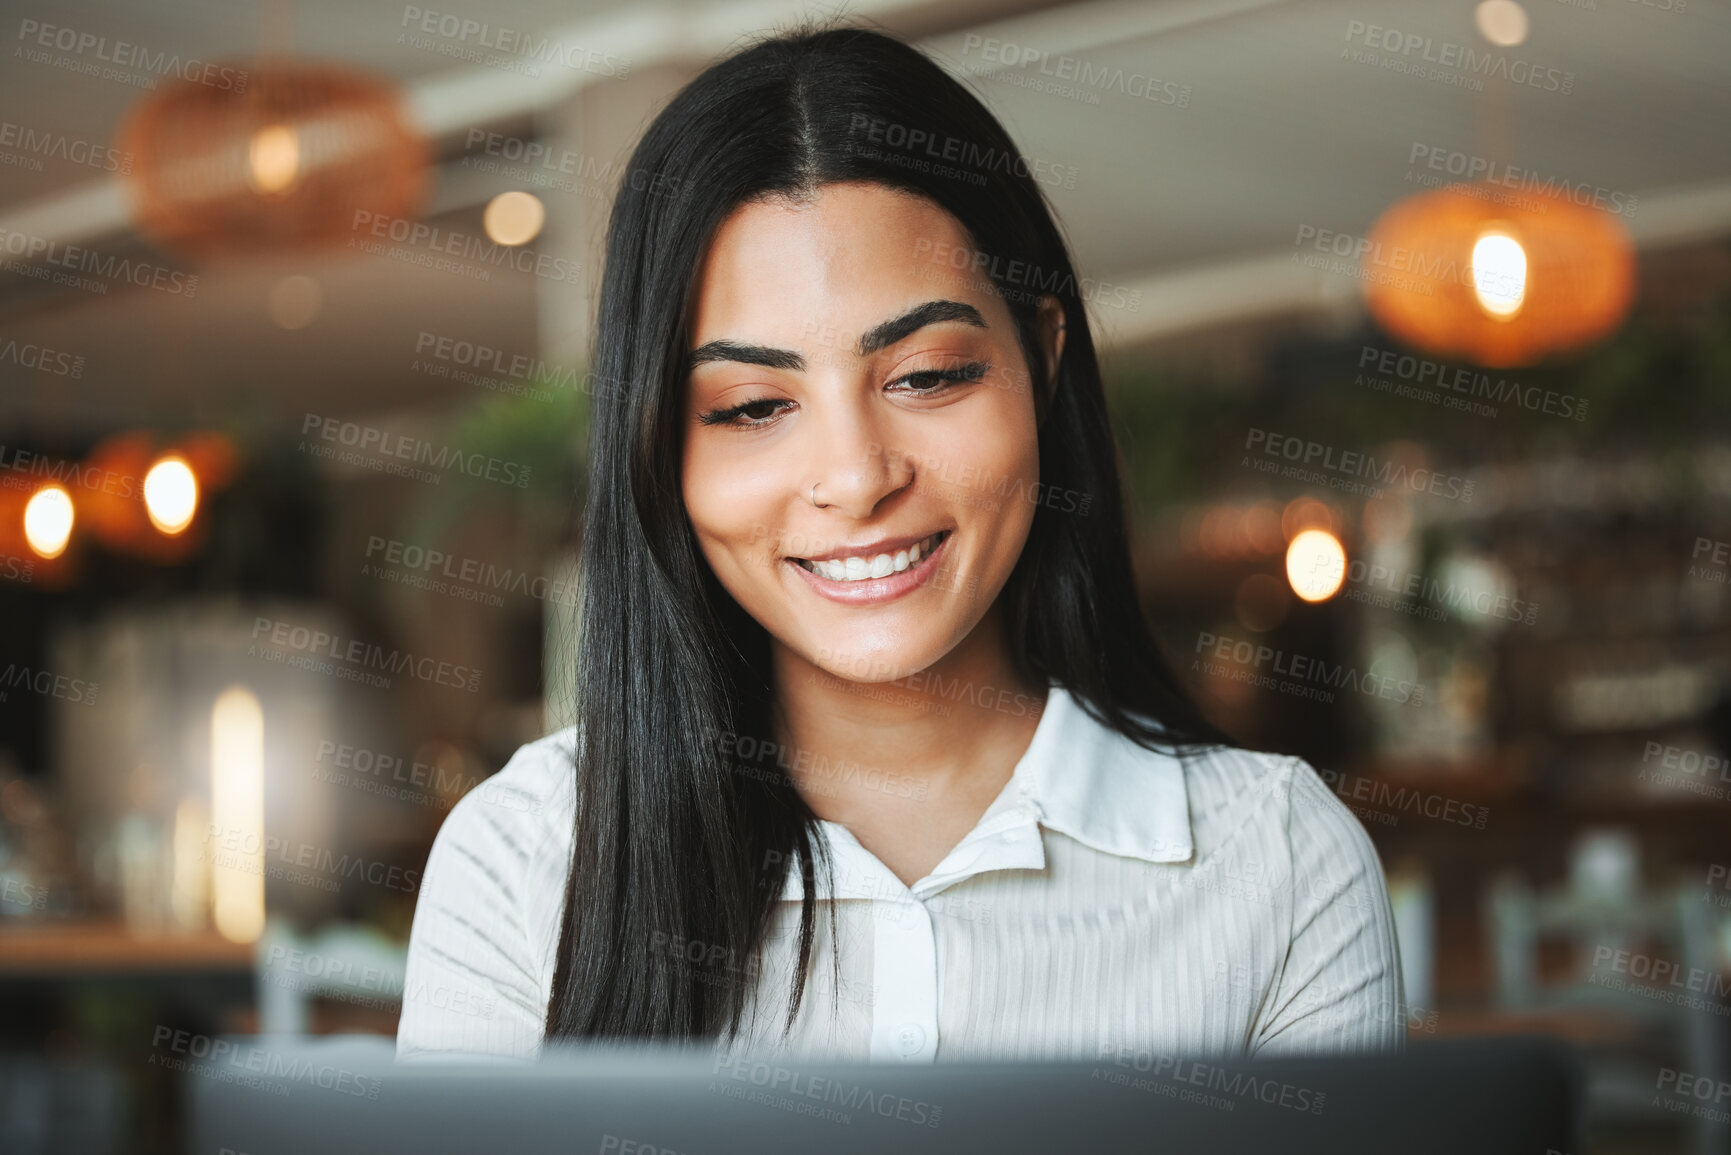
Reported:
(745, 414)
(924, 383)
(758, 410)
(931, 380)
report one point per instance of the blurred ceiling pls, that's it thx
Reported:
(1268, 117)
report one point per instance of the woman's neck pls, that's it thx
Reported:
(908, 766)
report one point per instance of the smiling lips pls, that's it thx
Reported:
(877, 577)
(859, 568)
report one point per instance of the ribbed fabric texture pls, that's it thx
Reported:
(1110, 900)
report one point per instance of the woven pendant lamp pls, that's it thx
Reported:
(281, 160)
(1498, 283)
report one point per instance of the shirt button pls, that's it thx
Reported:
(911, 1038)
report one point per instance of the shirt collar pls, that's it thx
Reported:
(1102, 789)
(1077, 777)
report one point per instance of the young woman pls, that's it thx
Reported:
(876, 756)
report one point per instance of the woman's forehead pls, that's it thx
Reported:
(843, 259)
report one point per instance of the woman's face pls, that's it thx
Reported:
(844, 341)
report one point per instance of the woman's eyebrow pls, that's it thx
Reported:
(883, 335)
(879, 336)
(746, 355)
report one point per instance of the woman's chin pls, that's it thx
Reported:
(859, 661)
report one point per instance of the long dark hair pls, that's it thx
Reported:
(673, 845)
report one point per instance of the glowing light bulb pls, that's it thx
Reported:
(170, 495)
(274, 155)
(1315, 565)
(237, 814)
(1499, 274)
(1502, 22)
(514, 218)
(48, 521)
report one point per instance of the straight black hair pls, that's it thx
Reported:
(673, 844)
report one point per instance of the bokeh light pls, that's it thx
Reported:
(514, 218)
(48, 522)
(171, 495)
(1315, 565)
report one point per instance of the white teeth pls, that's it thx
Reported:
(855, 569)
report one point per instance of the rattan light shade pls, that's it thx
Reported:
(281, 162)
(1421, 284)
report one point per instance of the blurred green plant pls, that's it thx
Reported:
(545, 430)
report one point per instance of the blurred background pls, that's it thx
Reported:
(1416, 321)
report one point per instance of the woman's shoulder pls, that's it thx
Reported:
(486, 925)
(511, 824)
(535, 789)
(1282, 796)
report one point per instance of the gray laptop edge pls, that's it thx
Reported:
(1503, 1096)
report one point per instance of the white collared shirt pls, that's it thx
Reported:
(1109, 900)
